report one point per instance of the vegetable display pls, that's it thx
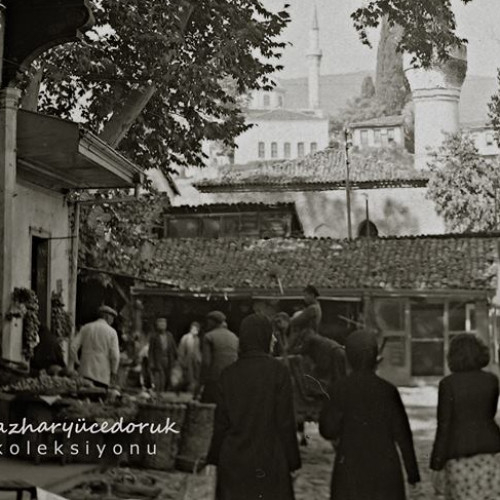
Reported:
(46, 385)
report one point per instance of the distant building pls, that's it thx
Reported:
(378, 132)
(484, 138)
(281, 134)
(277, 132)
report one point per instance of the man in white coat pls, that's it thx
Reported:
(100, 354)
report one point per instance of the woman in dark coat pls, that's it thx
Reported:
(254, 444)
(466, 453)
(366, 418)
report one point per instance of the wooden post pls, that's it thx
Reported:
(347, 182)
(2, 37)
(9, 102)
(73, 277)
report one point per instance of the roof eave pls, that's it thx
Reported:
(97, 151)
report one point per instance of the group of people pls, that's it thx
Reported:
(254, 443)
(255, 447)
(193, 365)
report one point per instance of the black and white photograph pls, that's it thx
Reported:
(249, 249)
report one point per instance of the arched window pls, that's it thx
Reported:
(367, 229)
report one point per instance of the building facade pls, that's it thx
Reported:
(281, 134)
(421, 291)
(51, 158)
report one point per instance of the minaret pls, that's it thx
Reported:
(436, 95)
(314, 60)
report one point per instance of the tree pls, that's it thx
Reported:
(464, 186)
(494, 112)
(367, 88)
(116, 235)
(183, 61)
(428, 26)
(392, 89)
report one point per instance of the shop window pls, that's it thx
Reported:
(184, 227)
(274, 150)
(262, 150)
(287, 150)
(427, 321)
(427, 339)
(300, 149)
(314, 147)
(390, 315)
(461, 317)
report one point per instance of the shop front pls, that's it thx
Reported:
(417, 332)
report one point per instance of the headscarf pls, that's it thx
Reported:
(255, 334)
(362, 350)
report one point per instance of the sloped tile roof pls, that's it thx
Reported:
(383, 121)
(418, 263)
(324, 169)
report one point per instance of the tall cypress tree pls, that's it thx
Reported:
(391, 87)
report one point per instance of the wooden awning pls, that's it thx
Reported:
(60, 155)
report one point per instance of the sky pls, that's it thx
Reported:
(478, 21)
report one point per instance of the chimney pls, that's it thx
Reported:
(314, 60)
(436, 95)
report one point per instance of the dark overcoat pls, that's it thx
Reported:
(254, 443)
(467, 406)
(367, 417)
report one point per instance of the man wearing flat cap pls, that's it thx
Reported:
(219, 349)
(100, 352)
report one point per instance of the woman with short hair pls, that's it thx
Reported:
(466, 452)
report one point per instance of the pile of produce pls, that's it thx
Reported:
(117, 483)
(125, 409)
(163, 398)
(61, 323)
(46, 385)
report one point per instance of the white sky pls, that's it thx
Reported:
(478, 21)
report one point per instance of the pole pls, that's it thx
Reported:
(347, 134)
(74, 277)
(2, 37)
(367, 217)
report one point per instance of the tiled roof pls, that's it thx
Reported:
(390, 264)
(324, 169)
(383, 121)
(214, 206)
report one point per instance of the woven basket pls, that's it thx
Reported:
(86, 443)
(166, 445)
(196, 435)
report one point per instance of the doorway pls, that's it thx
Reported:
(40, 267)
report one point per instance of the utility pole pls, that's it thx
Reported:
(348, 144)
